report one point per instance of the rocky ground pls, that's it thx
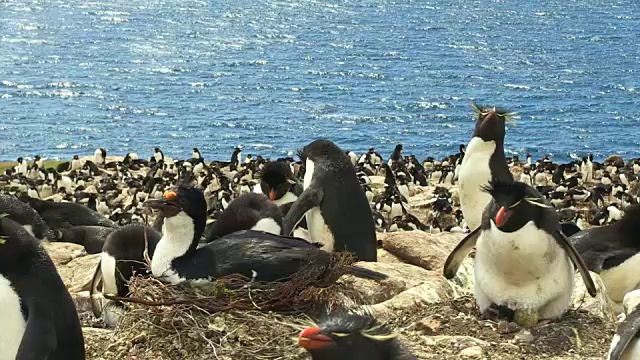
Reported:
(435, 317)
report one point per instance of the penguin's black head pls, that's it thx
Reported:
(351, 337)
(399, 147)
(320, 150)
(515, 204)
(75, 157)
(490, 123)
(15, 242)
(20, 159)
(276, 179)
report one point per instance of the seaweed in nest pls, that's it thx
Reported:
(311, 287)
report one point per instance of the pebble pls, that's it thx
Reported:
(523, 337)
(472, 352)
(429, 326)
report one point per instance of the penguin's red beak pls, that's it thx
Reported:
(312, 339)
(502, 216)
(272, 194)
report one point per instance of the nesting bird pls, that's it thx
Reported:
(523, 263)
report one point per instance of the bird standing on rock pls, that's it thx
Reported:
(522, 265)
(484, 161)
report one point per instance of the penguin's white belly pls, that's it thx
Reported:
(302, 234)
(396, 210)
(622, 279)
(13, 323)
(267, 225)
(319, 230)
(632, 352)
(525, 269)
(475, 173)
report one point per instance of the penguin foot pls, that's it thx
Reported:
(526, 317)
(498, 313)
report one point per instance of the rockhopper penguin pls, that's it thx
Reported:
(523, 261)
(352, 337)
(484, 161)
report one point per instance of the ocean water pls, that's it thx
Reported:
(273, 75)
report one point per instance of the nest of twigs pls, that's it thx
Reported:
(311, 287)
(180, 332)
(231, 318)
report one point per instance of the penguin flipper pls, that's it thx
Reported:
(96, 305)
(460, 253)
(577, 261)
(310, 198)
(628, 330)
(39, 339)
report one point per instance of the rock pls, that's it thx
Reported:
(472, 352)
(601, 305)
(429, 251)
(523, 337)
(77, 274)
(615, 160)
(82, 300)
(462, 341)
(445, 220)
(401, 277)
(415, 190)
(388, 258)
(434, 290)
(62, 253)
(505, 327)
(429, 326)
(98, 343)
(464, 280)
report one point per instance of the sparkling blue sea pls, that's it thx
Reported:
(273, 75)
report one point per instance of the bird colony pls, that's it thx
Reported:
(475, 255)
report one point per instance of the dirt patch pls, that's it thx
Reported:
(442, 331)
